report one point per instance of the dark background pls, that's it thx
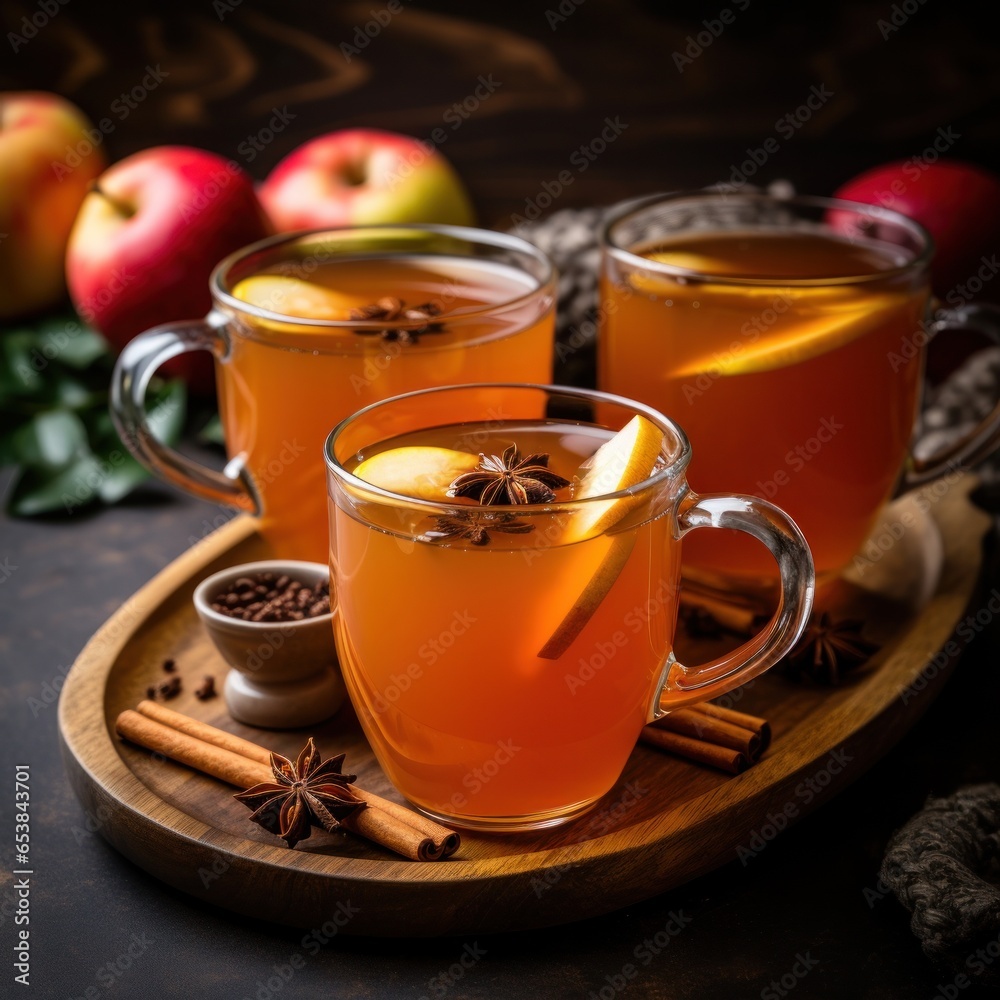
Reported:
(559, 80)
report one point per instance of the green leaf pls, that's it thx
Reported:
(166, 420)
(212, 432)
(70, 392)
(165, 414)
(122, 474)
(51, 440)
(100, 426)
(8, 450)
(39, 491)
(19, 374)
(67, 341)
(54, 420)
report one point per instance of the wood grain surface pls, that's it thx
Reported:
(231, 65)
(666, 821)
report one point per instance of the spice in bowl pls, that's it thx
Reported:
(272, 597)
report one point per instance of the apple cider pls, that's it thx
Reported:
(315, 336)
(791, 359)
(501, 660)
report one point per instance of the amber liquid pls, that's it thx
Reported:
(282, 389)
(799, 393)
(439, 643)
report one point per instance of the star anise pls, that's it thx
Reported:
(829, 649)
(476, 526)
(306, 792)
(390, 308)
(509, 479)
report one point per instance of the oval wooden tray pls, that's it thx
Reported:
(666, 821)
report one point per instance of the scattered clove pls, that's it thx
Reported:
(169, 689)
(207, 689)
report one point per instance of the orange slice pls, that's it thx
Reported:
(625, 460)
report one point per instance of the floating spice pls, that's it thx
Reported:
(392, 309)
(509, 479)
(476, 526)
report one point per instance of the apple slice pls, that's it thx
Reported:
(832, 326)
(421, 472)
(626, 460)
(294, 297)
(623, 461)
(590, 598)
(665, 285)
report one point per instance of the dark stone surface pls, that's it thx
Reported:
(813, 891)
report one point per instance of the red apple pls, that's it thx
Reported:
(147, 238)
(49, 154)
(358, 177)
(957, 202)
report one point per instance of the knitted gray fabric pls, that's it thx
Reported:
(942, 866)
(571, 238)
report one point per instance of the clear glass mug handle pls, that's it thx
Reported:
(135, 367)
(983, 439)
(683, 685)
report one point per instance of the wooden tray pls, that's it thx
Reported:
(666, 821)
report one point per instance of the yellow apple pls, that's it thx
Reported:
(48, 158)
(363, 177)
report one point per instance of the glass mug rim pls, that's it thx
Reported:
(219, 285)
(672, 472)
(633, 208)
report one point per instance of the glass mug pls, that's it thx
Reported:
(787, 336)
(285, 377)
(503, 660)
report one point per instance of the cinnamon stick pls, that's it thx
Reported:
(216, 761)
(204, 732)
(746, 721)
(740, 620)
(242, 763)
(723, 758)
(711, 729)
(446, 840)
(380, 825)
